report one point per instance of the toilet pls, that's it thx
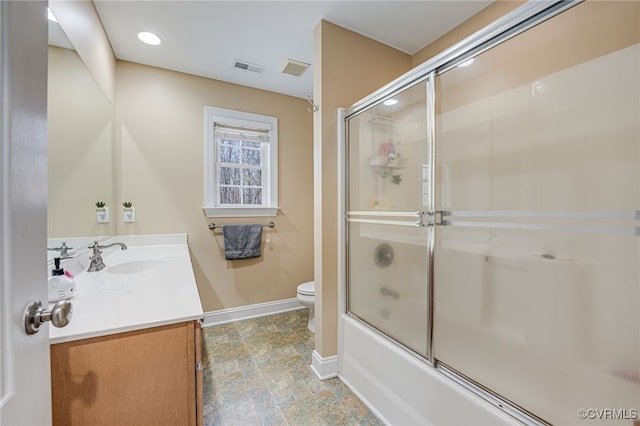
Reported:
(307, 298)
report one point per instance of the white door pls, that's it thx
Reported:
(25, 383)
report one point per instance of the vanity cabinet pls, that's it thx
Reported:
(145, 377)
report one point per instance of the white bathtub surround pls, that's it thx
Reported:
(223, 316)
(403, 389)
(148, 285)
(324, 368)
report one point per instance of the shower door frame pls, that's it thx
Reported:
(523, 18)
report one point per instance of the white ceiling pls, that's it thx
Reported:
(204, 37)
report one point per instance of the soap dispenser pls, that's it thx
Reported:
(61, 286)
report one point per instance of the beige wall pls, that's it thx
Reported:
(480, 20)
(160, 166)
(347, 67)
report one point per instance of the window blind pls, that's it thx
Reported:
(244, 134)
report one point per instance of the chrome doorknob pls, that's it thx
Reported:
(35, 315)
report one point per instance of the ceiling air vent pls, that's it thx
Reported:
(295, 68)
(248, 66)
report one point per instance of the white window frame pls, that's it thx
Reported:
(212, 208)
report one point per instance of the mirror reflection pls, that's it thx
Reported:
(80, 157)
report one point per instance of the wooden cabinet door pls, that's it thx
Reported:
(139, 377)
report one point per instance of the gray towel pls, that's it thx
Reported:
(242, 241)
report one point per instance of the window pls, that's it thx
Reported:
(241, 164)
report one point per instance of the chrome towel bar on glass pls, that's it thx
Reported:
(379, 217)
(214, 226)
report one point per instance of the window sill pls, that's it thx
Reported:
(240, 211)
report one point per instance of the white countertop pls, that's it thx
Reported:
(107, 303)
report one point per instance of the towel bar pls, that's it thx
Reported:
(214, 226)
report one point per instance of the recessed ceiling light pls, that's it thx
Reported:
(390, 102)
(466, 63)
(149, 38)
(51, 16)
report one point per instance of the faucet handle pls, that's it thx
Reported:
(97, 264)
(63, 249)
(96, 248)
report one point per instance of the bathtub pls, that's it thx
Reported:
(402, 389)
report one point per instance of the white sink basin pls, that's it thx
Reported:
(138, 266)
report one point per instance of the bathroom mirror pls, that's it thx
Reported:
(80, 148)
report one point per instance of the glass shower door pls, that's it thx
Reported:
(537, 276)
(388, 193)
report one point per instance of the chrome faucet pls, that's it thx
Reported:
(63, 249)
(96, 258)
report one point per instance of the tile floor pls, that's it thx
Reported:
(256, 372)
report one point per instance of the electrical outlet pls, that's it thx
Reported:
(129, 214)
(102, 215)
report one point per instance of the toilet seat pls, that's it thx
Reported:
(307, 289)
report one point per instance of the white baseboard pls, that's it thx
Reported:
(324, 368)
(250, 311)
